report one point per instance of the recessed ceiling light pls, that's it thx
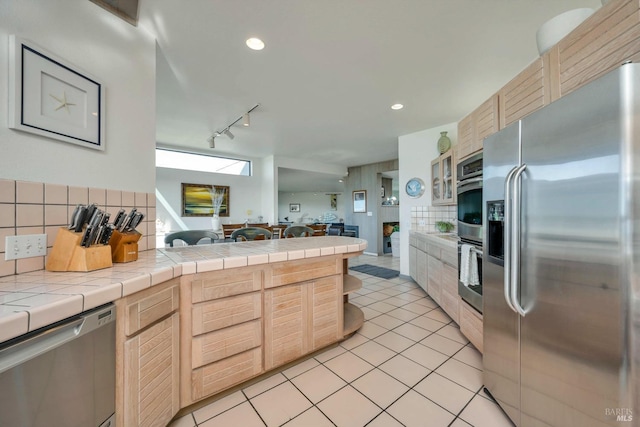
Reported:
(397, 107)
(255, 43)
(340, 180)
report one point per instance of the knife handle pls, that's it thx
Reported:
(86, 236)
(74, 218)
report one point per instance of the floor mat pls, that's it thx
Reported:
(372, 270)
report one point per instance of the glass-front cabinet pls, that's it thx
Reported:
(443, 184)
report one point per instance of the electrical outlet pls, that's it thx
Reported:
(27, 246)
(421, 222)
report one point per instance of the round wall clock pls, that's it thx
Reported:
(415, 187)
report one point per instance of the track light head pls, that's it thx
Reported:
(212, 142)
(246, 120)
(228, 133)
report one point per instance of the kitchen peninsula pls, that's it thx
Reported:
(194, 321)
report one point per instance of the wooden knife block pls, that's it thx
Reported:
(124, 246)
(68, 255)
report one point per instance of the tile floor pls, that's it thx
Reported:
(408, 365)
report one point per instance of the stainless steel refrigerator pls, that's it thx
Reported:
(561, 201)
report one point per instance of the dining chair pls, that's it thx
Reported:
(227, 229)
(318, 229)
(297, 231)
(191, 237)
(250, 233)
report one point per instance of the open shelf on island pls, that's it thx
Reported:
(353, 318)
(350, 284)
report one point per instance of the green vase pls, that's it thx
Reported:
(444, 143)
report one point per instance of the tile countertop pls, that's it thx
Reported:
(447, 239)
(33, 300)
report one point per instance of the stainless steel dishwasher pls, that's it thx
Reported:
(62, 375)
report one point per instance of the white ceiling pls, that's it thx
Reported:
(331, 70)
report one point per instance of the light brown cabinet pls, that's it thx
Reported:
(604, 41)
(221, 313)
(470, 322)
(443, 179)
(474, 128)
(301, 318)
(147, 356)
(527, 92)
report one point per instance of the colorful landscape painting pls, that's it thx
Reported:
(196, 199)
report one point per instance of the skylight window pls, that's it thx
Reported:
(202, 163)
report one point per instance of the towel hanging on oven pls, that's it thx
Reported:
(468, 266)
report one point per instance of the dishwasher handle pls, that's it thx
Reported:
(54, 337)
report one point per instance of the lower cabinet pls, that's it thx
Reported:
(301, 318)
(434, 273)
(147, 356)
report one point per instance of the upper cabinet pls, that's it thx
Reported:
(474, 128)
(526, 93)
(443, 184)
(604, 41)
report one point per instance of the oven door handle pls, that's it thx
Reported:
(465, 182)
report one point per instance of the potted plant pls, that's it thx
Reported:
(444, 226)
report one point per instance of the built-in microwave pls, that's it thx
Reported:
(469, 191)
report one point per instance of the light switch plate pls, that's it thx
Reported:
(27, 246)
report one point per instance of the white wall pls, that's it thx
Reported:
(123, 58)
(313, 204)
(244, 195)
(415, 153)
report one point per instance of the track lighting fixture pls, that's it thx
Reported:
(246, 121)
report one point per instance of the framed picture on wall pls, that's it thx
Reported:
(197, 199)
(360, 201)
(294, 207)
(50, 97)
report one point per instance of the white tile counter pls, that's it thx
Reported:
(32, 300)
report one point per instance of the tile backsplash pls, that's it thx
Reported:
(38, 208)
(424, 218)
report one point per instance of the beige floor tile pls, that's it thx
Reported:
(354, 341)
(428, 323)
(460, 423)
(348, 366)
(382, 307)
(318, 383)
(414, 410)
(219, 406)
(452, 332)
(384, 420)
(394, 341)
(264, 385)
(403, 314)
(413, 332)
(362, 300)
(438, 314)
(390, 291)
(312, 417)
(349, 408)
(407, 297)
(371, 330)
(419, 292)
(396, 301)
(427, 302)
(470, 356)
(386, 321)
(280, 404)
(482, 413)
(330, 354)
(301, 367)
(241, 415)
(417, 308)
(369, 313)
(186, 421)
(425, 356)
(463, 374)
(381, 388)
(444, 392)
(405, 370)
(373, 353)
(442, 344)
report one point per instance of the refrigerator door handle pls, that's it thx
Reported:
(507, 238)
(515, 240)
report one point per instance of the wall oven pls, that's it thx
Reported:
(469, 191)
